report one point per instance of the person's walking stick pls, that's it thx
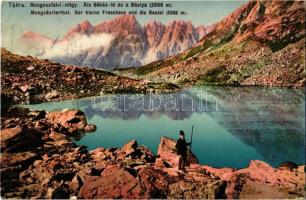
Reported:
(191, 137)
(190, 153)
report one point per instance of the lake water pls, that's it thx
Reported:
(232, 125)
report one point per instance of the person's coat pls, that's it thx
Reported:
(181, 147)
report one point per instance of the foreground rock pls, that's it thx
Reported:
(128, 174)
(71, 120)
(114, 182)
(54, 167)
(260, 180)
(168, 156)
(19, 139)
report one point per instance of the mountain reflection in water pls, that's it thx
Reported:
(233, 125)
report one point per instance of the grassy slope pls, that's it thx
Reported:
(247, 63)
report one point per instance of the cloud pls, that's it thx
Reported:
(150, 56)
(78, 45)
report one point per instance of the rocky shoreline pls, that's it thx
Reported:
(28, 80)
(40, 160)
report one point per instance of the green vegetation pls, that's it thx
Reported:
(192, 52)
(222, 75)
(153, 67)
(246, 71)
(162, 85)
(214, 75)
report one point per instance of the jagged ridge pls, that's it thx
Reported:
(130, 43)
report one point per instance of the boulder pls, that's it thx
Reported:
(154, 181)
(15, 159)
(197, 190)
(223, 173)
(19, 139)
(129, 147)
(13, 163)
(114, 182)
(255, 190)
(166, 151)
(98, 153)
(10, 135)
(146, 154)
(260, 180)
(71, 120)
(56, 136)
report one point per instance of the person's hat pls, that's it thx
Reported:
(182, 132)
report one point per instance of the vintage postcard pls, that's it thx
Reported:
(153, 99)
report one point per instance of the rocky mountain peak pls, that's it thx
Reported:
(122, 25)
(275, 23)
(180, 31)
(180, 24)
(84, 27)
(130, 19)
(154, 31)
(132, 44)
(35, 36)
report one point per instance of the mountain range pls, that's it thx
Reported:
(260, 43)
(120, 42)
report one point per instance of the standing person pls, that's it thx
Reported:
(181, 149)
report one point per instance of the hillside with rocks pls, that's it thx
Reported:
(39, 160)
(117, 43)
(27, 80)
(261, 43)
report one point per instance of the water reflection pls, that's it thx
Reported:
(270, 120)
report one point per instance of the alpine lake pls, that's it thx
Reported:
(232, 125)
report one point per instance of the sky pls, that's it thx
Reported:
(16, 21)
